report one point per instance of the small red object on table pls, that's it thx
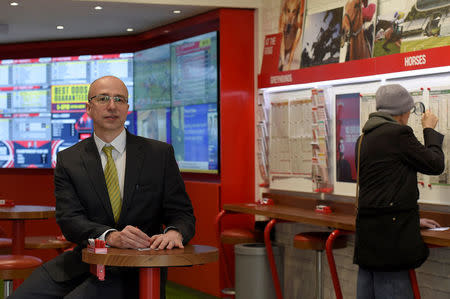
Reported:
(266, 202)
(323, 209)
(97, 246)
(7, 203)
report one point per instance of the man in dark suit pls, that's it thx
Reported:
(124, 195)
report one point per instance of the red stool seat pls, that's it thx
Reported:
(233, 236)
(316, 241)
(37, 242)
(240, 235)
(5, 245)
(5, 242)
(46, 242)
(17, 266)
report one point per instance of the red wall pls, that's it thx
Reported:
(236, 42)
(205, 199)
(208, 193)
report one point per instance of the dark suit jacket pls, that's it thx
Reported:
(154, 195)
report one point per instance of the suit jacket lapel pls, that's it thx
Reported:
(134, 161)
(94, 170)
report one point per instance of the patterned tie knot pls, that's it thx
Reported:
(108, 150)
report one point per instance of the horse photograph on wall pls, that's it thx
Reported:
(358, 29)
(412, 25)
(322, 38)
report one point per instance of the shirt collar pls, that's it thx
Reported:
(118, 143)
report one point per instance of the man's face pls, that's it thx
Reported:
(108, 117)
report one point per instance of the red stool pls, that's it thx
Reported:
(60, 244)
(317, 241)
(16, 267)
(235, 236)
(5, 245)
(232, 237)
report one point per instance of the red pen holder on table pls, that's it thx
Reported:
(7, 203)
(97, 246)
(323, 209)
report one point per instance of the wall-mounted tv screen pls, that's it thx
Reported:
(42, 104)
(173, 97)
(176, 92)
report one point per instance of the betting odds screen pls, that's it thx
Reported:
(173, 97)
(42, 104)
(176, 92)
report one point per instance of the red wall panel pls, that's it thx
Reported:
(205, 200)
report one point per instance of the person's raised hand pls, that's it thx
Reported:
(129, 237)
(429, 120)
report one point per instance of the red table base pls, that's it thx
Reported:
(149, 283)
(18, 244)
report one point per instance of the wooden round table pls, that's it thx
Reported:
(150, 261)
(18, 214)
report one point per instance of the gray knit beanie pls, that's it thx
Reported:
(393, 99)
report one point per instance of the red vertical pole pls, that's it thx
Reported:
(18, 240)
(414, 285)
(149, 283)
(270, 257)
(222, 253)
(18, 243)
(332, 264)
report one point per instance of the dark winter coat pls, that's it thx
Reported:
(388, 225)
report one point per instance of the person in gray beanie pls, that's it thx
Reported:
(393, 99)
(388, 156)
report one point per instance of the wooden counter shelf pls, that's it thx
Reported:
(289, 213)
(301, 210)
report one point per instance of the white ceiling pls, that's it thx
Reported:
(36, 20)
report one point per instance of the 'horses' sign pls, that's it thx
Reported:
(415, 60)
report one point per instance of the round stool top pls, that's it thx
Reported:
(317, 241)
(240, 235)
(46, 242)
(5, 242)
(27, 212)
(13, 262)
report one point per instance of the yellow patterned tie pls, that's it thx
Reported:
(112, 182)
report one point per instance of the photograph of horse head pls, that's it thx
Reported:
(358, 29)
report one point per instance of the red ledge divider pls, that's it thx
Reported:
(423, 59)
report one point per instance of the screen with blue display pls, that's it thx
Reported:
(176, 95)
